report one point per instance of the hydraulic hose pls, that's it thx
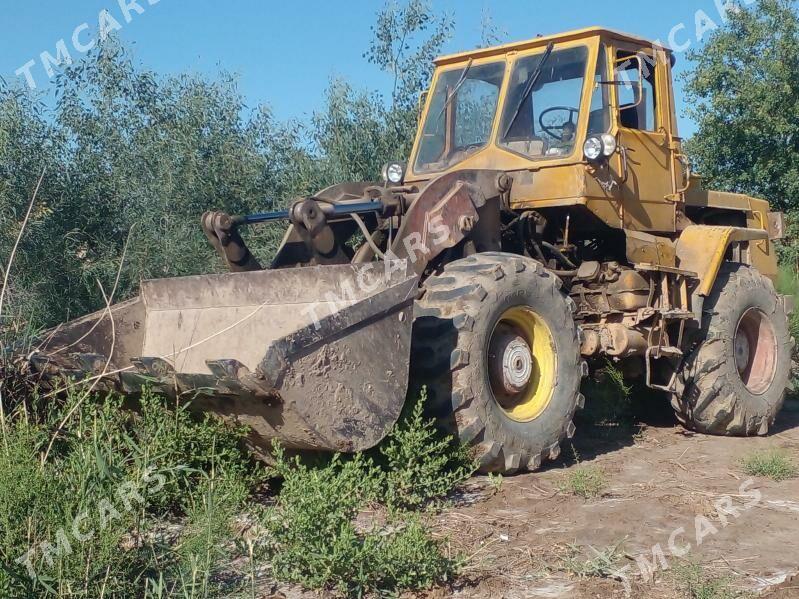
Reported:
(559, 255)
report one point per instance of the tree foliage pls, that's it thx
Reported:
(406, 37)
(133, 157)
(744, 95)
(130, 154)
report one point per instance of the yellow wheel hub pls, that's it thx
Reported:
(522, 364)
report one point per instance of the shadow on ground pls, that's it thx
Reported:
(615, 415)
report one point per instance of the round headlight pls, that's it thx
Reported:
(394, 172)
(593, 148)
(608, 144)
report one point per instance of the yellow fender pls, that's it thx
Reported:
(701, 249)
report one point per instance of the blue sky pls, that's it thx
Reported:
(286, 52)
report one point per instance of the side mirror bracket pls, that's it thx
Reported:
(621, 79)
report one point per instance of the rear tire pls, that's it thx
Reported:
(733, 383)
(473, 322)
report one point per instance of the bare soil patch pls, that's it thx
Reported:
(528, 536)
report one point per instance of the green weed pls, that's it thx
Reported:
(616, 378)
(352, 525)
(176, 467)
(587, 482)
(87, 519)
(420, 464)
(495, 480)
(602, 563)
(314, 538)
(774, 464)
(695, 583)
(608, 400)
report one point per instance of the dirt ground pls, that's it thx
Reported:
(528, 537)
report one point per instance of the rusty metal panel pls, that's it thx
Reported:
(776, 225)
(445, 211)
(650, 249)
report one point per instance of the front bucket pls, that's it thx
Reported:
(315, 357)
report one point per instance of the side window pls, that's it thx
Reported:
(636, 112)
(459, 121)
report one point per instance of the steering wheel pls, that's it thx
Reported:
(552, 130)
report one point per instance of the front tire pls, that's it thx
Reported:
(496, 343)
(733, 383)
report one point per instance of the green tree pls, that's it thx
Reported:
(29, 146)
(744, 94)
(491, 33)
(133, 154)
(406, 39)
(133, 157)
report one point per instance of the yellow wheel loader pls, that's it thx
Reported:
(546, 219)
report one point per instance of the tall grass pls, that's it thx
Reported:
(150, 503)
(88, 521)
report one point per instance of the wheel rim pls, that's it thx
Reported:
(521, 364)
(755, 347)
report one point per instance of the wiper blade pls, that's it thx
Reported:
(528, 88)
(455, 89)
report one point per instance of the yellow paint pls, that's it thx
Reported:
(541, 42)
(492, 156)
(702, 248)
(659, 187)
(538, 394)
(638, 203)
(763, 254)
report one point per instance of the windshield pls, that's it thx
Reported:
(544, 122)
(461, 115)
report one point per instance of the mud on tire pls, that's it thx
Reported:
(733, 382)
(454, 329)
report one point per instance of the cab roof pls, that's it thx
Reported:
(543, 41)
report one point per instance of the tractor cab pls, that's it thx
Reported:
(590, 98)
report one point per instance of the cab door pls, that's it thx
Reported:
(645, 160)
